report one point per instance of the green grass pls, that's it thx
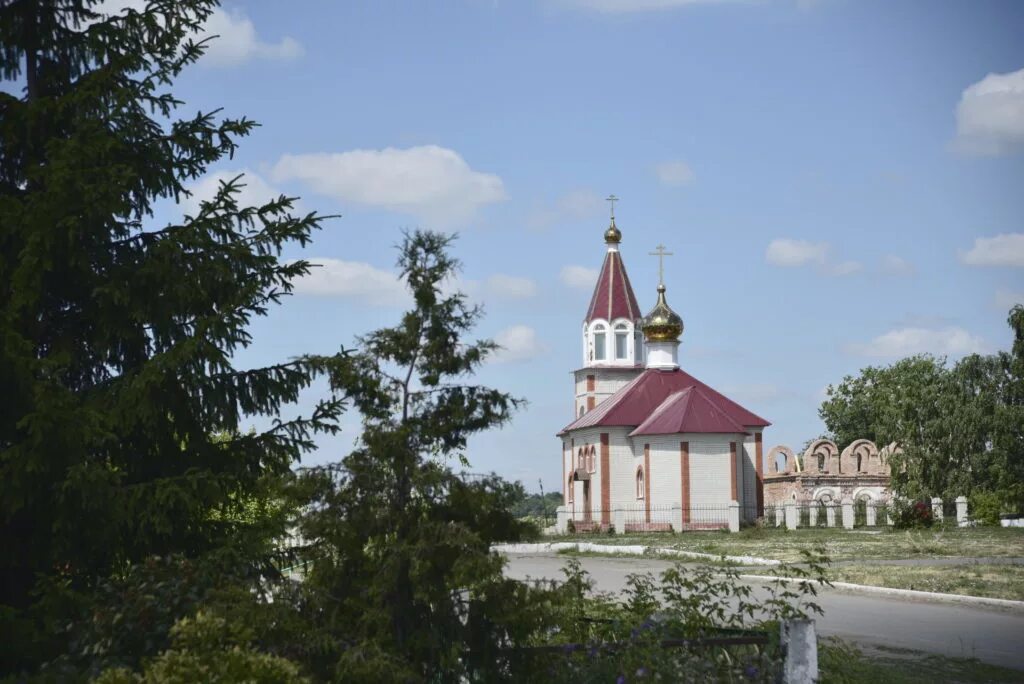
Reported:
(840, 544)
(971, 579)
(845, 664)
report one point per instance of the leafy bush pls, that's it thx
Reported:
(986, 507)
(910, 514)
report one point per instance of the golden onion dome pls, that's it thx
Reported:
(662, 323)
(613, 235)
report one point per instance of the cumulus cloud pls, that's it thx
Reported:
(254, 190)
(430, 182)
(572, 206)
(511, 287)
(625, 6)
(949, 341)
(674, 174)
(579, 277)
(897, 266)
(1006, 249)
(518, 343)
(236, 40)
(1006, 300)
(790, 253)
(352, 279)
(990, 115)
(845, 268)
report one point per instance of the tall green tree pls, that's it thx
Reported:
(117, 335)
(960, 428)
(402, 560)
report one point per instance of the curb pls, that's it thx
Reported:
(629, 550)
(901, 593)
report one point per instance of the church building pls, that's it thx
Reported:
(649, 443)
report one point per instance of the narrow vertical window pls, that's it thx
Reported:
(640, 483)
(600, 344)
(621, 341)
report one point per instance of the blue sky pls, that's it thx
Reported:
(841, 183)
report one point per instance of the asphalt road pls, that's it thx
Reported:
(991, 635)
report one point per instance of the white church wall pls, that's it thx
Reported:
(666, 481)
(710, 482)
(749, 502)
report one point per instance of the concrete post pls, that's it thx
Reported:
(961, 511)
(848, 513)
(936, 508)
(561, 520)
(734, 516)
(800, 644)
(812, 514)
(677, 517)
(619, 520)
(792, 515)
(872, 513)
(830, 514)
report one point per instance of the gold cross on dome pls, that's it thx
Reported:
(613, 199)
(661, 254)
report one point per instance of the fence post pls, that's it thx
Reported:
(561, 520)
(779, 519)
(961, 511)
(734, 516)
(619, 520)
(792, 515)
(812, 514)
(871, 513)
(800, 644)
(848, 513)
(677, 517)
(937, 508)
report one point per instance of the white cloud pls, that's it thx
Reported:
(950, 341)
(511, 287)
(1002, 250)
(674, 174)
(236, 39)
(897, 266)
(844, 268)
(1006, 300)
(238, 42)
(990, 115)
(572, 206)
(624, 6)
(254, 191)
(789, 253)
(518, 343)
(355, 279)
(579, 277)
(429, 182)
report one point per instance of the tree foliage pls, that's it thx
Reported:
(960, 427)
(117, 335)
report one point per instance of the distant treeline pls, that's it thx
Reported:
(538, 505)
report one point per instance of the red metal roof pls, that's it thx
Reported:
(687, 411)
(613, 295)
(639, 401)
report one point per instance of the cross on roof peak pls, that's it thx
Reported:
(613, 199)
(660, 252)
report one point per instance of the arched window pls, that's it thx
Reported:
(600, 343)
(579, 459)
(639, 483)
(582, 410)
(621, 340)
(821, 463)
(590, 456)
(568, 488)
(859, 464)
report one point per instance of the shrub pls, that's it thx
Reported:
(911, 514)
(986, 507)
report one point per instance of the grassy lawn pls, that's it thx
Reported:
(993, 581)
(839, 662)
(840, 544)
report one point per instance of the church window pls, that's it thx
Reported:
(568, 489)
(859, 464)
(600, 350)
(639, 483)
(581, 410)
(590, 458)
(621, 340)
(821, 463)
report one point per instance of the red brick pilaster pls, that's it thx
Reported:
(684, 479)
(647, 483)
(590, 383)
(606, 482)
(759, 468)
(590, 403)
(732, 471)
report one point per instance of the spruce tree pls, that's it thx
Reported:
(117, 335)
